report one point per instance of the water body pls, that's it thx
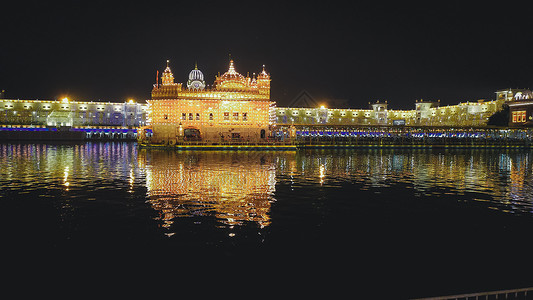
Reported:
(393, 223)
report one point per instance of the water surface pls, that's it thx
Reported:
(418, 222)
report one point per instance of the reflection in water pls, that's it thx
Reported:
(429, 212)
(240, 187)
(233, 186)
(502, 178)
(51, 166)
(65, 176)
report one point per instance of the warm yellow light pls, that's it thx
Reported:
(131, 101)
(64, 100)
(322, 107)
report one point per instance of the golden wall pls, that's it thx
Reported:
(215, 119)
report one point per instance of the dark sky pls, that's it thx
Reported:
(100, 50)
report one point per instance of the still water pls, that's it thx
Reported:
(407, 223)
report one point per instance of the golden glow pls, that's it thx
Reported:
(64, 100)
(322, 173)
(174, 110)
(237, 107)
(238, 187)
(131, 180)
(65, 178)
(210, 183)
(230, 85)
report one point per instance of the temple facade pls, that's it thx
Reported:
(236, 108)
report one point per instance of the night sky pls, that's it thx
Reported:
(99, 50)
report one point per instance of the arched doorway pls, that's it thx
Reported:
(192, 134)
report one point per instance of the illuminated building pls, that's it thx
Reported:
(66, 112)
(239, 109)
(235, 109)
(426, 113)
(520, 107)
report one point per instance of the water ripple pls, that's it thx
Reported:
(239, 188)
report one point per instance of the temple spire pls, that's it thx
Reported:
(167, 78)
(231, 67)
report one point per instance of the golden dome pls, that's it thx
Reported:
(231, 79)
(231, 74)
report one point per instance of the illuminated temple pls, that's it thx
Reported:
(236, 108)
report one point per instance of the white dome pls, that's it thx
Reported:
(196, 75)
(523, 95)
(196, 79)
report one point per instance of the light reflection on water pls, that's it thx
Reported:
(414, 215)
(240, 187)
(42, 167)
(232, 186)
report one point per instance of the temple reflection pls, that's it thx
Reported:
(240, 186)
(232, 186)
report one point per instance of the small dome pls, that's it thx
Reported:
(523, 95)
(196, 74)
(196, 79)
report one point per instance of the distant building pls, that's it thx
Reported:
(520, 108)
(380, 112)
(426, 113)
(510, 94)
(71, 113)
